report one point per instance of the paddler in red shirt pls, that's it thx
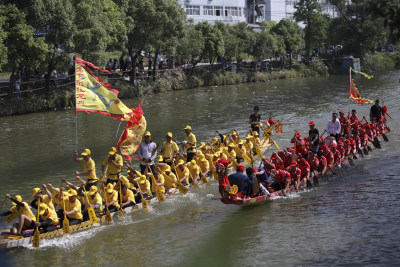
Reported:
(354, 121)
(299, 144)
(336, 154)
(313, 161)
(295, 173)
(323, 164)
(341, 149)
(305, 169)
(344, 124)
(330, 158)
(282, 180)
(277, 161)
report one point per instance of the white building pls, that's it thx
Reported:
(234, 11)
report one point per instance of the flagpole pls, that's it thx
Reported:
(76, 122)
(349, 90)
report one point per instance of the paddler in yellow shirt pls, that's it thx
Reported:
(169, 180)
(248, 144)
(48, 220)
(113, 163)
(169, 149)
(72, 208)
(143, 188)
(182, 173)
(190, 143)
(204, 166)
(111, 196)
(231, 152)
(23, 212)
(159, 181)
(127, 197)
(161, 165)
(240, 150)
(255, 140)
(194, 171)
(89, 168)
(47, 199)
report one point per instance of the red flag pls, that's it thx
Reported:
(131, 138)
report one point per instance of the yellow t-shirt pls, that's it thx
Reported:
(193, 169)
(113, 197)
(128, 195)
(69, 206)
(180, 174)
(144, 187)
(52, 215)
(248, 145)
(192, 139)
(160, 180)
(96, 200)
(169, 149)
(26, 210)
(125, 181)
(231, 155)
(255, 141)
(48, 201)
(240, 152)
(169, 183)
(204, 165)
(89, 166)
(112, 170)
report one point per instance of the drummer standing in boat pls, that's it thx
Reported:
(376, 112)
(147, 153)
(333, 128)
(89, 168)
(255, 119)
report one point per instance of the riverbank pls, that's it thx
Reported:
(180, 79)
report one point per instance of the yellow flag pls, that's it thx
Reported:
(93, 96)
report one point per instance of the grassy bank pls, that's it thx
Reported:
(380, 62)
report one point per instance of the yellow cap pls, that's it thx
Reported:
(214, 140)
(92, 190)
(240, 142)
(86, 152)
(160, 158)
(202, 144)
(17, 198)
(72, 192)
(216, 155)
(147, 133)
(202, 158)
(188, 127)
(232, 145)
(112, 151)
(169, 134)
(142, 179)
(42, 208)
(255, 133)
(248, 136)
(193, 162)
(168, 168)
(180, 162)
(35, 191)
(110, 188)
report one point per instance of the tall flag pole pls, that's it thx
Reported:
(354, 93)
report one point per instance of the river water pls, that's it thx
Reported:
(351, 219)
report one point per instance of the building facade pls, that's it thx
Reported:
(249, 11)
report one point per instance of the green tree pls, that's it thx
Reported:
(3, 36)
(213, 41)
(266, 45)
(291, 34)
(246, 38)
(309, 12)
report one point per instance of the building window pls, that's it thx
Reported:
(193, 10)
(232, 11)
(208, 10)
(218, 11)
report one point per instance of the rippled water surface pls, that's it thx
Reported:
(350, 219)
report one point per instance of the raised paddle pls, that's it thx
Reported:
(66, 228)
(108, 214)
(36, 235)
(183, 189)
(159, 194)
(92, 214)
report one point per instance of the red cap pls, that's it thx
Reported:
(311, 123)
(367, 126)
(363, 131)
(272, 157)
(340, 143)
(334, 145)
(270, 121)
(325, 147)
(298, 134)
(341, 111)
(294, 163)
(255, 170)
(240, 168)
(290, 149)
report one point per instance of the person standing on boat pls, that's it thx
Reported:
(375, 113)
(112, 164)
(169, 149)
(299, 144)
(147, 153)
(255, 120)
(354, 121)
(190, 143)
(344, 124)
(313, 137)
(333, 128)
(89, 168)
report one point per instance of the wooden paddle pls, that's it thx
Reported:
(159, 194)
(66, 228)
(121, 210)
(194, 184)
(36, 235)
(183, 189)
(108, 214)
(145, 204)
(92, 214)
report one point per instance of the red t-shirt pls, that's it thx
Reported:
(287, 159)
(305, 168)
(337, 156)
(301, 147)
(322, 162)
(329, 157)
(313, 163)
(344, 121)
(295, 174)
(283, 176)
(352, 120)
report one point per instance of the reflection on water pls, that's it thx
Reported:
(350, 219)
